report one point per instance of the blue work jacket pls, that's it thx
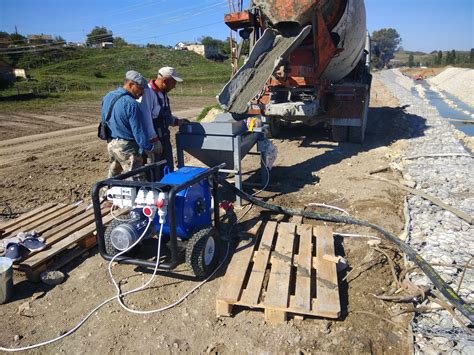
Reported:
(126, 121)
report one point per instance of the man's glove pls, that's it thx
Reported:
(157, 148)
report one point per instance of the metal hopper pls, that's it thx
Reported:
(224, 140)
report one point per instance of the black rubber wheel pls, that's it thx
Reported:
(109, 247)
(275, 127)
(339, 133)
(202, 251)
(357, 134)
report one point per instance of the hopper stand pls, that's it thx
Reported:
(224, 140)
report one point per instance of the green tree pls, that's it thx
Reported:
(439, 58)
(17, 39)
(222, 46)
(226, 46)
(471, 56)
(59, 40)
(99, 35)
(448, 58)
(245, 47)
(451, 57)
(119, 42)
(209, 41)
(4, 39)
(411, 60)
(386, 42)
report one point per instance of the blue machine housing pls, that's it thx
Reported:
(193, 204)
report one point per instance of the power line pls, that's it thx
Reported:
(134, 7)
(182, 16)
(168, 22)
(185, 30)
(157, 36)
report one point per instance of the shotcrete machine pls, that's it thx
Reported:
(309, 61)
(178, 208)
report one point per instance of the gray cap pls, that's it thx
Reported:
(169, 72)
(137, 78)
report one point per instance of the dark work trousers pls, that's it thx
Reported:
(167, 152)
(161, 124)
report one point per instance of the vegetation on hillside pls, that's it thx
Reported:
(69, 72)
(387, 52)
(435, 59)
(58, 71)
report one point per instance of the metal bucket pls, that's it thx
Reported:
(6, 279)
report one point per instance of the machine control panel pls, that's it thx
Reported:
(123, 197)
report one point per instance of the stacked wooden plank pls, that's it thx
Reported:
(286, 269)
(68, 231)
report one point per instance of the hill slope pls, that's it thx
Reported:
(86, 73)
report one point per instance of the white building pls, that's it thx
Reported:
(201, 49)
(106, 45)
(19, 73)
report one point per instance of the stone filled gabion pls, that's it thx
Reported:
(437, 235)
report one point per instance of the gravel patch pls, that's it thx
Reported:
(437, 235)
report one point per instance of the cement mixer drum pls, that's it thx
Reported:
(344, 17)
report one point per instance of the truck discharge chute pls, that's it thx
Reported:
(309, 61)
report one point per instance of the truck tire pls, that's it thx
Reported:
(275, 127)
(202, 251)
(339, 133)
(357, 134)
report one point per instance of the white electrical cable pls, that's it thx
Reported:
(34, 346)
(119, 294)
(268, 177)
(141, 288)
(117, 287)
(323, 205)
(115, 217)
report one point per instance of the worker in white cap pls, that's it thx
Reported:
(156, 106)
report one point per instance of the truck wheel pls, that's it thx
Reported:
(339, 133)
(202, 251)
(357, 134)
(109, 247)
(275, 127)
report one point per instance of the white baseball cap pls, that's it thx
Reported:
(169, 72)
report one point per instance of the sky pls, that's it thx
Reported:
(424, 25)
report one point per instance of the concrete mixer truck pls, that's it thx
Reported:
(309, 61)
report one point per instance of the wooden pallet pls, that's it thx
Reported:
(284, 270)
(68, 231)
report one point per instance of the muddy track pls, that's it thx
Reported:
(43, 144)
(62, 166)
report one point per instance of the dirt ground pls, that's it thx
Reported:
(57, 157)
(426, 73)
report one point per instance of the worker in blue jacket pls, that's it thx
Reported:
(126, 123)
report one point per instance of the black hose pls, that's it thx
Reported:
(431, 273)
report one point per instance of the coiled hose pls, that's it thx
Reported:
(431, 273)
